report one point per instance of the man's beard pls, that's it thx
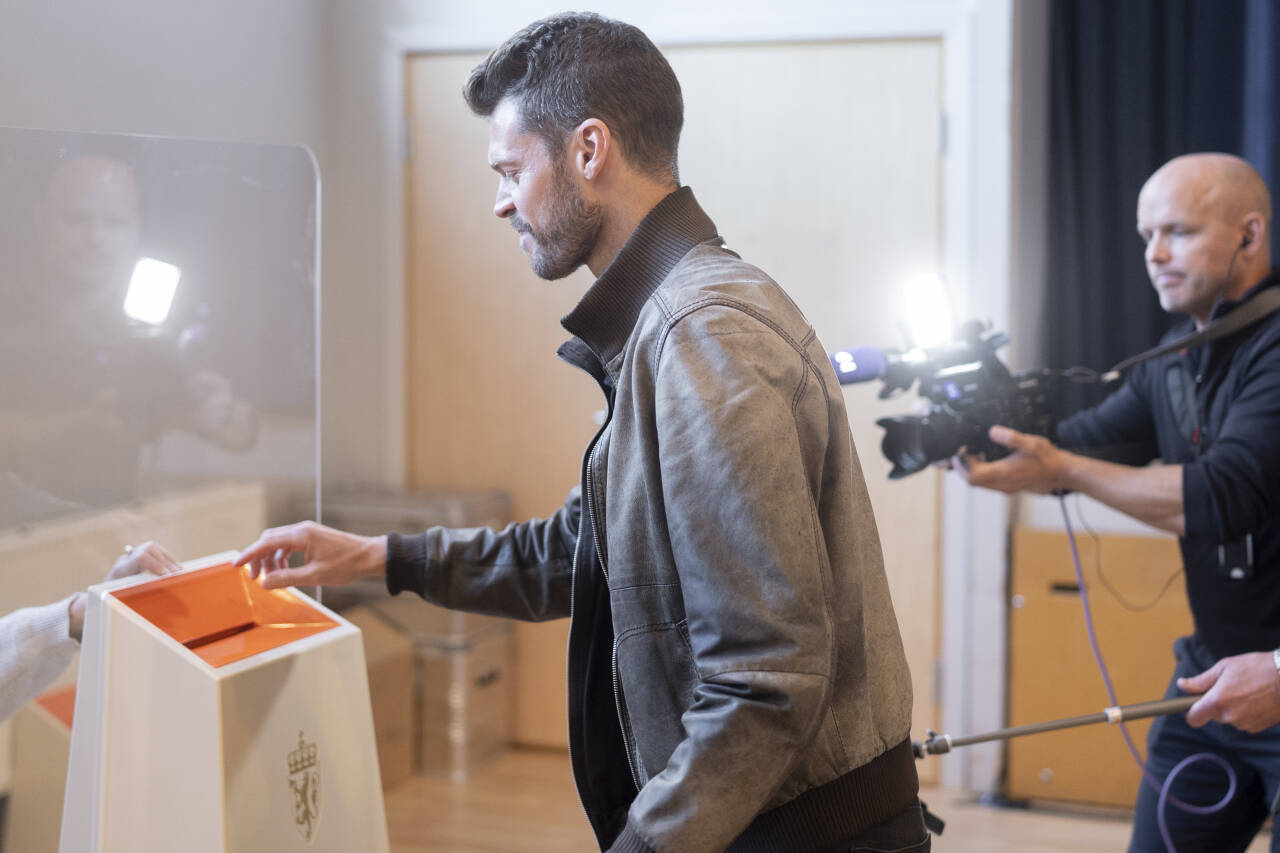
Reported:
(571, 233)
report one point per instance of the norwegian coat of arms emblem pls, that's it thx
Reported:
(304, 782)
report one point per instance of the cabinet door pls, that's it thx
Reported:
(1052, 672)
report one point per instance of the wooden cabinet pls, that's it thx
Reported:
(1052, 672)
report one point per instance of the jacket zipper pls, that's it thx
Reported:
(573, 594)
(573, 589)
(627, 737)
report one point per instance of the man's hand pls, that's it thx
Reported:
(1241, 691)
(331, 557)
(1034, 466)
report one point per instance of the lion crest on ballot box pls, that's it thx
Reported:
(304, 782)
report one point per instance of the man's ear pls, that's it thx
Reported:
(1255, 231)
(592, 147)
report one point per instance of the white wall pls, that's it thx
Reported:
(231, 70)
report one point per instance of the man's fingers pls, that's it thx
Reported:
(1196, 684)
(1202, 682)
(280, 578)
(1202, 711)
(1206, 708)
(269, 543)
(1004, 436)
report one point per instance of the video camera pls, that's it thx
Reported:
(968, 388)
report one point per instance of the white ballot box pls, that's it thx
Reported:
(214, 715)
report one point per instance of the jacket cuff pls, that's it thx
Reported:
(406, 562)
(629, 841)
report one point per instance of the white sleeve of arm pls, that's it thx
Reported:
(35, 648)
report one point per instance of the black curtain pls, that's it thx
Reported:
(1134, 83)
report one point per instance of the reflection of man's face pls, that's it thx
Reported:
(88, 228)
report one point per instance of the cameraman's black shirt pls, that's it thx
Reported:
(1228, 442)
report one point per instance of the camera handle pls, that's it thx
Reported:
(940, 744)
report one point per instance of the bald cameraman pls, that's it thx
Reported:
(1210, 415)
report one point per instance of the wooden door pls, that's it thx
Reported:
(813, 166)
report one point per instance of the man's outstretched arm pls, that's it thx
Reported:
(1151, 494)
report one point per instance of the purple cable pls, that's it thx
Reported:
(1165, 787)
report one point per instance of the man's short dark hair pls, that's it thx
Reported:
(565, 69)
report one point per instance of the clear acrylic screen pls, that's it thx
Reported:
(158, 327)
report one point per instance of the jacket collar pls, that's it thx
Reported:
(607, 313)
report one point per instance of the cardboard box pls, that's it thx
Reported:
(42, 733)
(464, 691)
(466, 701)
(426, 624)
(388, 656)
(212, 715)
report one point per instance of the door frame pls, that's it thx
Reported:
(977, 41)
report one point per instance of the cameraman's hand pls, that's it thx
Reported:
(332, 557)
(1034, 466)
(1241, 691)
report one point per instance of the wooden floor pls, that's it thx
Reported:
(525, 803)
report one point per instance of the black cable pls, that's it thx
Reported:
(1097, 567)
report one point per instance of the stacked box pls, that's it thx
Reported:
(389, 660)
(463, 684)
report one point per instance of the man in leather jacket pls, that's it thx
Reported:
(736, 674)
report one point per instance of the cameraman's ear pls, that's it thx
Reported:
(1255, 230)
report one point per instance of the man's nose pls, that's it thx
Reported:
(1157, 250)
(502, 205)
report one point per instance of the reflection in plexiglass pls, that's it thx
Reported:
(158, 326)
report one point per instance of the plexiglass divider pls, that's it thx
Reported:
(159, 327)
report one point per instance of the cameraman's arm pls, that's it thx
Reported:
(1152, 494)
(1120, 429)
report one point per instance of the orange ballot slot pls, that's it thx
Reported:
(223, 616)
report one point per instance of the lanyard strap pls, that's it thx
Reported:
(1251, 312)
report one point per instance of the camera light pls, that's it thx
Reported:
(151, 291)
(930, 310)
